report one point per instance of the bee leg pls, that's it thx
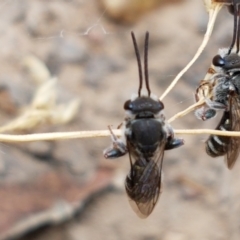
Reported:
(120, 125)
(205, 113)
(173, 143)
(117, 149)
(209, 113)
(215, 105)
(114, 152)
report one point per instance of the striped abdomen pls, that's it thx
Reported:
(218, 145)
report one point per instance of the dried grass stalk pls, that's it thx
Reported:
(99, 133)
(213, 9)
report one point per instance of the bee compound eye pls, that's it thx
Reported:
(218, 61)
(161, 105)
(231, 9)
(128, 105)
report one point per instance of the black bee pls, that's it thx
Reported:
(229, 147)
(145, 137)
(222, 92)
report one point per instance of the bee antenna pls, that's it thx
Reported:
(146, 63)
(236, 27)
(139, 63)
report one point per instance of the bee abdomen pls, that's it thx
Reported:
(217, 145)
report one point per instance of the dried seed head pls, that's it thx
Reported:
(44, 107)
(45, 96)
(36, 69)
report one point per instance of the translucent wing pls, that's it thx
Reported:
(143, 184)
(233, 148)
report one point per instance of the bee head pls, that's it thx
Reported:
(226, 61)
(143, 106)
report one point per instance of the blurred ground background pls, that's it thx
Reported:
(66, 190)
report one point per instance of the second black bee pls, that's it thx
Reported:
(229, 147)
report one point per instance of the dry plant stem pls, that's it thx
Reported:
(212, 17)
(56, 136)
(101, 133)
(206, 131)
(186, 111)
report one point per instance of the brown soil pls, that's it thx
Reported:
(93, 57)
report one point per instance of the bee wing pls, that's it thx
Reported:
(143, 184)
(233, 148)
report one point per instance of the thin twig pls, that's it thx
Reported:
(99, 133)
(186, 111)
(206, 131)
(212, 17)
(55, 136)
